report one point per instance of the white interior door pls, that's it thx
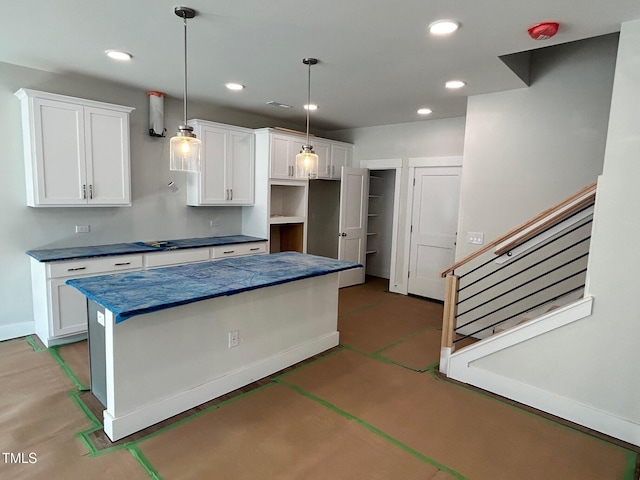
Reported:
(352, 244)
(434, 221)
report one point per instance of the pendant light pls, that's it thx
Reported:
(185, 147)
(307, 160)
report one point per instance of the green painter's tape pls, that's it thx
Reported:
(630, 466)
(65, 368)
(308, 364)
(144, 462)
(75, 397)
(202, 412)
(403, 339)
(36, 348)
(374, 430)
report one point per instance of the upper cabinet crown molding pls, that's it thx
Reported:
(227, 167)
(76, 151)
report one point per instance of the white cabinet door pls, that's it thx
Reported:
(107, 157)
(226, 175)
(340, 157)
(323, 150)
(68, 309)
(241, 168)
(211, 183)
(59, 158)
(281, 157)
(76, 151)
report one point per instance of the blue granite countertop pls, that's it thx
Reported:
(70, 253)
(137, 293)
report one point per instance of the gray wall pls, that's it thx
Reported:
(525, 150)
(156, 212)
(429, 138)
(594, 361)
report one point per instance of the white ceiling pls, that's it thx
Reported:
(378, 64)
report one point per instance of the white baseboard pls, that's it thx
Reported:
(459, 366)
(549, 402)
(119, 427)
(15, 330)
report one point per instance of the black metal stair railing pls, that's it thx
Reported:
(492, 294)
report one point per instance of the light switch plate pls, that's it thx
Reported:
(476, 238)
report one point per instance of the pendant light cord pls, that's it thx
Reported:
(184, 18)
(308, 99)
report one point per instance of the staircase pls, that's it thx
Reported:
(522, 284)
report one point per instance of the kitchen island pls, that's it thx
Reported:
(177, 337)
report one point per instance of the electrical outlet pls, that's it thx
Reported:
(475, 238)
(82, 228)
(234, 338)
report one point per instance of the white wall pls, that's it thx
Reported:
(595, 362)
(391, 144)
(156, 212)
(527, 149)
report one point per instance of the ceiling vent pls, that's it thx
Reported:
(278, 104)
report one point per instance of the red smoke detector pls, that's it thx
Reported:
(544, 30)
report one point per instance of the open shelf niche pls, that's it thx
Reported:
(287, 216)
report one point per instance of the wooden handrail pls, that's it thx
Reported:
(542, 222)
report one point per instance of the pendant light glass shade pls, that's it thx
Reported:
(307, 160)
(184, 148)
(307, 163)
(185, 151)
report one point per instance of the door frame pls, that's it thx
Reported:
(403, 209)
(391, 164)
(413, 163)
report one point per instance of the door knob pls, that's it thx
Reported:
(342, 234)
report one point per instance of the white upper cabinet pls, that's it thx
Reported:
(340, 157)
(76, 151)
(282, 156)
(283, 148)
(227, 162)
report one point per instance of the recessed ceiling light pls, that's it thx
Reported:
(234, 86)
(118, 55)
(453, 84)
(443, 27)
(424, 111)
(311, 107)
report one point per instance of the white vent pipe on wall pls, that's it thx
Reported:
(156, 113)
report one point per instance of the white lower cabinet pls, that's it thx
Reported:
(176, 257)
(60, 311)
(238, 250)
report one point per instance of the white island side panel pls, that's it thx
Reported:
(163, 363)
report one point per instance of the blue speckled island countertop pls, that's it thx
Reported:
(137, 293)
(71, 253)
